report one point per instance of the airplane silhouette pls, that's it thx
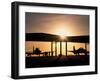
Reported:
(37, 51)
(79, 51)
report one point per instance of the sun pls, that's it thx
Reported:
(62, 33)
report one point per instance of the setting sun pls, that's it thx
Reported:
(63, 32)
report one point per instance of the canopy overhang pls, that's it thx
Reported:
(50, 37)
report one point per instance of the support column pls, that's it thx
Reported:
(51, 48)
(66, 48)
(61, 47)
(49, 53)
(55, 48)
(86, 48)
(32, 51)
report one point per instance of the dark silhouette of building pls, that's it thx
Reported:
(56, 38)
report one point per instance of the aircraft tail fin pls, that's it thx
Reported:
(74, 48)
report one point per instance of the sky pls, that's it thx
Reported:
(59, 24)
(69, 24)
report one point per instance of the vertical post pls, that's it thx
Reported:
(66, 48)
(51, 48)
(33, 49)
(49, 53)
(86, 48)
(55, 48)
(60, 47)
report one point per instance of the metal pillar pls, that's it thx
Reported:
(49, 53)
(66, 48)
(61, 47)
(55, 48)
(86, 48)
(51, 48)
(33, 49)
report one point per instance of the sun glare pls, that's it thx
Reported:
(62, 32)
(62, 35)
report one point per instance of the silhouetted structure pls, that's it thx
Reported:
(56, 38)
